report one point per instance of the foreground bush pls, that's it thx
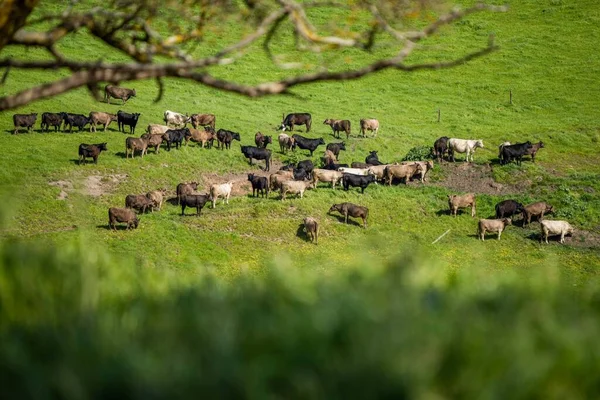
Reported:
(74, 324)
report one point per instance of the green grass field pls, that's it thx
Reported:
(547, 59)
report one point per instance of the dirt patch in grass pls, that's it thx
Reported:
(93, 185)
(65, 188)
(476, 178)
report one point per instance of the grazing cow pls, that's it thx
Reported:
(175, 136)
(260, 185)
(126, 215)
(185, 188)
(128, 119)
(357, 180)
(405, 172)
(176, 119)
(536, 210)
(492, 225)
(118, 93)
(306, 165)
(153, 141)
(155, 129)
(262, 140)
(426, 166)
(202, 136)
(286, 142)
(287, 167)
(225, 137)
(464, 146)
(72, 120)
(329, 158)
(251, 152)
(352, 210)
(294, 187)
(132, 144)
(90, 150)
(203, 120)
(369, 125)
(338, 125)
(311, 227)
(196, 201)
(534, 149)
(307, 144)
(138, 202)
(508, 208)
(514, 151)
(455, 202)
(440, 147)
(221, 190)
(24, 120)
(296, 119)
(335, 148)
(156, 197)
(101, 118)
(372, 158)
(561, 228)
(325, 175)
(51, 119)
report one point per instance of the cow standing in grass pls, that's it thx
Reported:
(118, 93)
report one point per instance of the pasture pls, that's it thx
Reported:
(48, 198)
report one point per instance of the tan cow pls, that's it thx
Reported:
(326, 175)
(561, 228)
(201, 136)
(405, 172)
(153, 141)
(536, 210)
(369, 125)
(221, 190)
(294, 187)
(157, 197)
(492, 225)
(132, 144)
(425, 165)
(156, 129)
(311, 227)
(101, 118)
(466, 200)
(203, 120)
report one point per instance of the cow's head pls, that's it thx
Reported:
(133, 93)
(102, 146)
(479, 143)
(549, 208)
(335, 207)
(507, 221)
(250, 177)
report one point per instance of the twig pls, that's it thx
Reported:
(441, 236)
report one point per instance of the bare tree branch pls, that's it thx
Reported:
(129, 29)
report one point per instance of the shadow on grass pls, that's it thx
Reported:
(300, 233)
(351, 221)
(118, 227)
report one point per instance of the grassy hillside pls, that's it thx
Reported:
(547, 59)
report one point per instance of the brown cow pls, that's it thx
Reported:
(352, 210)
(455, 202)
(202, 136)
(262, 140)
(369, 125)
(122, 215)
(534, 149)
(118, 93)
(156, 197)
(139, 202)
(101, 118)
(311, 227)
(203, 120)
(338, 125)
(132, 144)
(185, 188)
(153, 141)
(536, 210)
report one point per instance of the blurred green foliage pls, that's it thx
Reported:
(76, 324)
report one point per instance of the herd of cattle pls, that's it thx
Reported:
(293, 179)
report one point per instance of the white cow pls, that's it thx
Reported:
(561, 228)
(176, 119)
(464, 146)
(355, 171)
(221, 190)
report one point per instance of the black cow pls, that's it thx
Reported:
(138, 202)
(335, 167)
(514, 151)
(288, 167)
(308, 144)
(258, 153)
(130, 120)
(51, 119)
(361, 181)
(90, 150)
(300, 174)
(24, 120)
(373, 159)
(193, 200)
(175, 136)
(508, 208)
(306, 165)
(440, 147)
(259, 184)
(296, 119)
(72, 120)
(336, 147)
(225, 137)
